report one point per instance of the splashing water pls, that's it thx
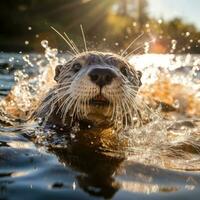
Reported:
(143, 162)
(171, 83)
(31, 86)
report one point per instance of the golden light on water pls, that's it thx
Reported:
(147, 188)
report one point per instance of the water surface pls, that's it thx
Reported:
(162, 163)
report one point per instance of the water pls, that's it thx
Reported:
(160, 161)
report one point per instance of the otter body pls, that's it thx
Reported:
(94, 89)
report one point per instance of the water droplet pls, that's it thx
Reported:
(146, 47)
(74, 186)
(187, 34)
(26, 42)
(29, 28)
(134, 24)
(40, 120)
(11, 59)
(72, 135)
(19, 75)
(128, 30)
(44, 43)
(174, 43)
(26, 58)
(176, 103)
(62, 61)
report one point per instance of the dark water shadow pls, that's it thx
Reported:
(82, 170)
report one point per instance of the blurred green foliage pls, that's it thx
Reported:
(108, 25)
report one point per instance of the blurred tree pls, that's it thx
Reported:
(122, 9)
(142, 13)
(108, 24)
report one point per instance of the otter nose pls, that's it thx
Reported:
(101, 76)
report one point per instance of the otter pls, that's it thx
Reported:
(94, 89)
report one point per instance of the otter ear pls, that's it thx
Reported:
(57, 72)
(139, 75)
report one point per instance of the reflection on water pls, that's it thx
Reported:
(80, 171)
(161, 157)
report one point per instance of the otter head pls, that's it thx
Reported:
(97, 87)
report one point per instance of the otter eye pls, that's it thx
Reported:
(76, 67)
(124, 71)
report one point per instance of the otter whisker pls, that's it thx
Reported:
(64, 114)
(74, 109)
(117, 112)
(131, 100)
(72, 43)
(135, 107)
(129, 85)
(137, 38)
(63, 106)
(50, 102)
(114, 108)
(84, 40)
(133, 89)
(85, 107)
(130, 89)
(46, 104)
(69, 52)
(141, 46)
(79, 112)
(64, 98)
(68, 43)
(87, 104)
(65, 88)
(64, 84)
(118, 120)
(127, 111)
(138, 114)
(129, 115)
(66, 77)
(125, 114)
